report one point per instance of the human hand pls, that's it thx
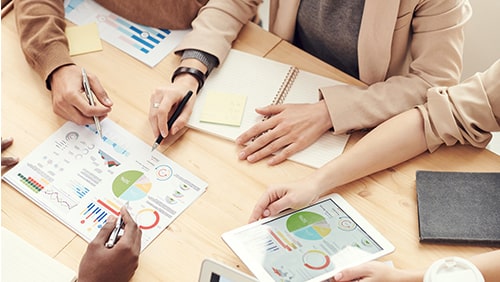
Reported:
(8, 161)
(291, 128)
(165, 100)
(376, 271)
(280, 197)
(118, 263)
(69, 100)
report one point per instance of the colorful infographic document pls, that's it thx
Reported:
(148, 45)
(82, 179)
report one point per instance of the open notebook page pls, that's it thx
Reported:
(259, 79)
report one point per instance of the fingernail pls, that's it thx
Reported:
(241, 155)
(162, 133)
(338, 276)
(107, 100)
(266, 213)
(251, 158)
(271, 161)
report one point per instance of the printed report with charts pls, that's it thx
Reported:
(260, 82)
(81, 180)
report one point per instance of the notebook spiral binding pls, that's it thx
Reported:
(287, 83)
(280, 96)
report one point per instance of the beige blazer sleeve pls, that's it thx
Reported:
(425, 50)
(217, 26)
(465, 113)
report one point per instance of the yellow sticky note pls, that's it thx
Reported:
(83, 39)
(223, 108)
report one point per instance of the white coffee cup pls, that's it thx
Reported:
(453, 269)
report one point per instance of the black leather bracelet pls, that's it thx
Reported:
(196, 73)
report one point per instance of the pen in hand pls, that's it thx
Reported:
(113, 237)
(90, 97)
(173, 118)
(114, 234)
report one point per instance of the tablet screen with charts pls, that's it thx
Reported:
(311, 244)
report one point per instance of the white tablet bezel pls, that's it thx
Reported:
(231, 239)
(211, 266)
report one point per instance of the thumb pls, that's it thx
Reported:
(350, 274)
(278, 206)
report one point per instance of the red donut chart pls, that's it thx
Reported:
(148, 215)
(316, 260)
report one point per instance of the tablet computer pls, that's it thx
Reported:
(214, 271)
(310, 244)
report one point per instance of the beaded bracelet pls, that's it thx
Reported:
(196, 73)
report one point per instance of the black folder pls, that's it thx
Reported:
(459, 207)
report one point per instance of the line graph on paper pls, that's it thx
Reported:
(66, 196)
(148, 45)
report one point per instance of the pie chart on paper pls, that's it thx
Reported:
(131, 185)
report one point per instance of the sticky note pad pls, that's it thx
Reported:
(83, 39)
(223, 108)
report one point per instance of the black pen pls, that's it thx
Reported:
(173, 118)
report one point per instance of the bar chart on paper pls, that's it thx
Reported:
(147, 44)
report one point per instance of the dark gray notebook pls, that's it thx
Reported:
(459, 207)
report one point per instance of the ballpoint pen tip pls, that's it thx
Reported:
(155, 145)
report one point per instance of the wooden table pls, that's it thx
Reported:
(387, 199)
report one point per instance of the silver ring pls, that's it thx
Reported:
(156, 105)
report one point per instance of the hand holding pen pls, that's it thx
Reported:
(68, 96)
(173, 118)
(116, 233)
(118, 230)
(100, 263)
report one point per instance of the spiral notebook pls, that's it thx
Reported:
(263, 82)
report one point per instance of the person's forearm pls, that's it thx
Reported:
(394, 141)
(488, 263)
